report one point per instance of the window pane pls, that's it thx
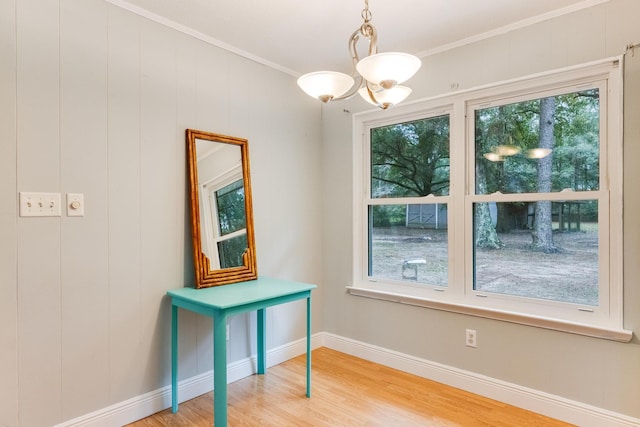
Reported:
(231, 211)
(409, 242)
(539, 146)
(546, 250)
(231, 250)
(410, 159)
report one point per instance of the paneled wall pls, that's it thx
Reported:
(96, 100)
(8, 222)
(593, 371)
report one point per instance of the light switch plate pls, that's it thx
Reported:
(75, 204)
(39, 204)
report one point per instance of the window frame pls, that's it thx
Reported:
(603, 321)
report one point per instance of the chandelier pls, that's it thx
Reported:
(376, 77)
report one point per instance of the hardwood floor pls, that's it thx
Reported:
(346, 391)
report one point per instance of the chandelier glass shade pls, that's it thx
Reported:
(385, 97)
(375, 77)
(325, 85)
(388, 69)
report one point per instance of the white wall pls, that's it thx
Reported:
(593, 371)
(96, 100)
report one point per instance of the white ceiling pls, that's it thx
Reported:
(299, 36)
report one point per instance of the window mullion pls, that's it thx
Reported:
(533, 197)
(458, 266)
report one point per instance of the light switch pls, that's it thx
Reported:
(75, 204)
(39, 204)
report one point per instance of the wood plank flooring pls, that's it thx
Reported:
(347, 391)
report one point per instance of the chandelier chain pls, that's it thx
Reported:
(366, 13)
(366, 29)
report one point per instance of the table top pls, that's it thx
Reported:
(227, 296)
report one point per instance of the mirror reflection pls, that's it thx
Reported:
(223, 216)
(221, 209)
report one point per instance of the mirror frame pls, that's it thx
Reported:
(204, 275)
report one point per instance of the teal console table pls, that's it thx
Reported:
(221, 302)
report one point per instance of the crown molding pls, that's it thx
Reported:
(200, 36)
(511, 27)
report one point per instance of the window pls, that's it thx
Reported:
(408, 240)
(503, 202)
(231, 232)
(542, 244)
(224, 220)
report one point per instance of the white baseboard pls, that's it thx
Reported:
(147, 404)
(533, 400)
(543, 403)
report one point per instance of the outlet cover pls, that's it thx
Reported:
(471, 338)
(75, 204)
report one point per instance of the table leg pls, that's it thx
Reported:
(174, 358)
(220, 369)
(261, 332)
(309, 346)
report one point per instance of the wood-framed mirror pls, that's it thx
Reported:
(221, 209)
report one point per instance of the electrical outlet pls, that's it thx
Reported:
(39, 204)
(471, 338)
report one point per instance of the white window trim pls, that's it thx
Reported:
(605, 321)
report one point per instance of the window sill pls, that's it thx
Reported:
(619, 335)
